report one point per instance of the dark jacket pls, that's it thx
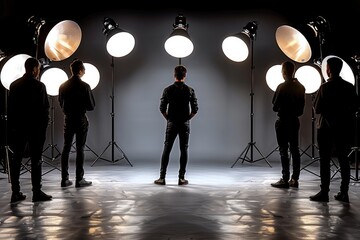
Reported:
(289, 99)
(176, 100)
(28, 104)
(76, 97)
(337, 103)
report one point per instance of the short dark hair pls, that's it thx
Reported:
(180, 72)
(76, 66)
(30, 64)
(288, 67)
(335, 65)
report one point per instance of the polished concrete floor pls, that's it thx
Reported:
(220, 203)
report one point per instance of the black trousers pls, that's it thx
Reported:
(174, 129)
(35, 137)
(287, 134)
(328, 139)
(74, 126)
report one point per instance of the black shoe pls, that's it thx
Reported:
(343, 197)
(41, 196)
(66, 183)
(320, 197)
(183, 181)
(17, 197)
(294, 183)
(160, 181)
(82, 183)
(280, 184)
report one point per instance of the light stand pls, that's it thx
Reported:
(251, 145)
(55, 152)
(356, 148)
(313, 146)
(7, 151)
(119, 43)
(237, 50)
(112, 143)
(9, 73)
(52, 77)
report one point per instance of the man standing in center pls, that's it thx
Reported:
(175, 104)
(75, 98)
(288, 102)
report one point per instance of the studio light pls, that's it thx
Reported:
(119, 42)
(12, 68)
(53, 77)
(274, 77)
(298, 44)
(293, 44)
(309, 77)
(346, 71)
(62, 40)
(91, 76)
(179, 44)
(236, 47)
(59, 41)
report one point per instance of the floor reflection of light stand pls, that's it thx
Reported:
(249, 31)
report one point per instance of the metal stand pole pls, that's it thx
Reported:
(313, 146)
(356, 148)
(7, 150)
(112, 143)
(53, 147)
(251, 145)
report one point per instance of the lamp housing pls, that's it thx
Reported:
(179, 44)
(236, 47)
(119, 43)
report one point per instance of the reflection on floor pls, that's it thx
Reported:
(219, 203)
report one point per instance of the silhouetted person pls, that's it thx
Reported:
(28, 115)
(337, 103)
(288, 101)
(75, 98)
(175, 104)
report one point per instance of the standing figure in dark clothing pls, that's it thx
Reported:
(75, 98)
(28, 115)
(175, 104)
(337, 103)
(289, 102)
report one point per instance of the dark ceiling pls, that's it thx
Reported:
(342, 16)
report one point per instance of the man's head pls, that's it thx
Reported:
(287, 69)
(180, 72)
(334, 66)
(77, 67)
(32, 67)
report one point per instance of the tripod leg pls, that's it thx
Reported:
(275, 149)
(262, 156)
(7, 163)
(124, 156)
(246, 150)
(100, 156)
